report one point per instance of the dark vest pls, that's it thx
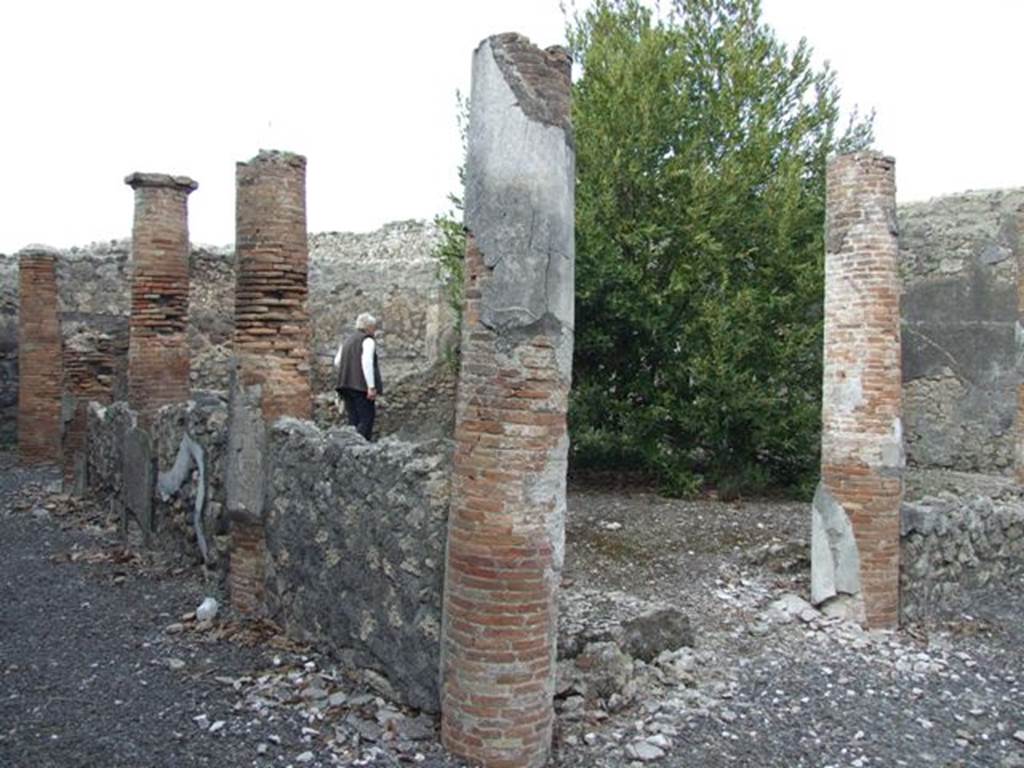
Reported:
(350, 369)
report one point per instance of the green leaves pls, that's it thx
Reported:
(701, 148)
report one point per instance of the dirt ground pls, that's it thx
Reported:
(103, 664)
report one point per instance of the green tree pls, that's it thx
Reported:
(701, 149)
(700, 201)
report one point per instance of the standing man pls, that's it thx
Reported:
(359, 380)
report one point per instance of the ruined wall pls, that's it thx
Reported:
(355, 534)
(8, 350)
(389, 272)
(192, 474)
(953, 543)
(958, 263)
(392, 274)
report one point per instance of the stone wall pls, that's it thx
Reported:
(190, 442)
(355, 534)
(8, 349)
(952, 543)
(958, 259)
(355, 531)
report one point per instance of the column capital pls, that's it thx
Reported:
(39, 252)
(137, 180)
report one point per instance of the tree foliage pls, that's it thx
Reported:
(701, 146)
(701, 149)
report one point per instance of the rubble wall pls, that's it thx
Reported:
(355, 531)
(355, 534)
(952, 543)
(958, 262)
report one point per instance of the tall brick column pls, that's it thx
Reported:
(39, 357)
(506, 527)
(856, 518)
(158, 353)
(271, 346)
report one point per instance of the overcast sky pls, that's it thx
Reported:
(91, 91)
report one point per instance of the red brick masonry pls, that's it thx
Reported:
(39, 358)
(506, 523)
(862, 457)
(272, 333)
(158, 355)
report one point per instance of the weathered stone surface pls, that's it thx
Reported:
(139, 478)
(835, 563)
(108, 426)
(506, 535)
(958, 260)
(392, 274)
(662, 630)
(603, 670)
(203, 423)
(951, 543)
(355, 533)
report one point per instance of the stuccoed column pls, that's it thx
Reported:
(506, 526)
(158, 352)
(39, 357)
(271, 347)
(856, 512)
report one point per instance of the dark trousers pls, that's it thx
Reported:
(360, 409)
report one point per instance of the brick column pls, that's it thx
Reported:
(1019, 341)
(90, 367)
(271, 346)
(856, 520)
(506, 526)
(39, 357)
(157, 343)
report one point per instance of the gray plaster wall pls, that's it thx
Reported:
(958, 258)
(356, 534)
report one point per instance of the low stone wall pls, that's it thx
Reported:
(185, 474)
(355, 531)
(952, 543)
(356, 536)
(107, 427)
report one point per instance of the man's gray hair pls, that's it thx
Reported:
(365, 320)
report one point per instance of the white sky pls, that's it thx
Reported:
(91, 91)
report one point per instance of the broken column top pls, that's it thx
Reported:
(136, 180)
(866, 155)
(272, 156)
(528, 71)
(38, 251)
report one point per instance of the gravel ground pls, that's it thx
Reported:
(103, 664)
